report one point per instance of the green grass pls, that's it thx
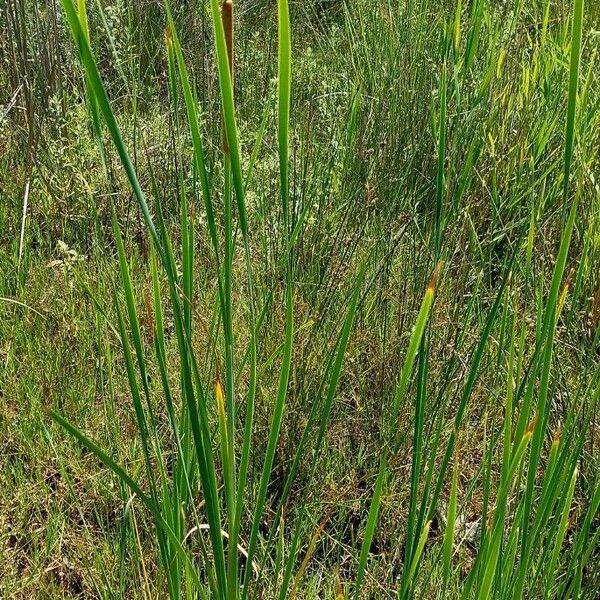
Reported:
(320, 325)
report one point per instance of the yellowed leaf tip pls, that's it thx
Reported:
(556, 437)
(457, 447)
(490, 520)
(339, 588)
(532, 425)
(220, 394)
(434, 277)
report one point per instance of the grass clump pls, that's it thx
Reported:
(340, 320)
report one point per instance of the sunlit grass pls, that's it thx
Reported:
(279, 302)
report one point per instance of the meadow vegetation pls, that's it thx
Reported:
(299, 300)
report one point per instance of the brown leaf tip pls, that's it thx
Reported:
(532, 424)
(434, 277)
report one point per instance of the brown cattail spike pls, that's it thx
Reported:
(227, 19)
